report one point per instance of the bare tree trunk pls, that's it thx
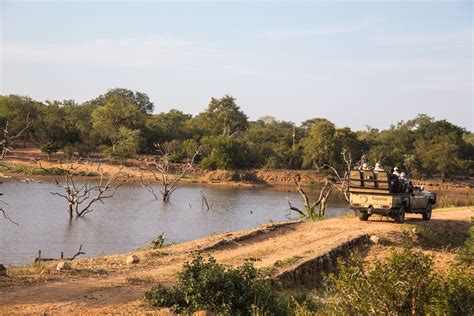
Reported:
(161, 165)
(81, 198)
(8, 141)
(309, 208)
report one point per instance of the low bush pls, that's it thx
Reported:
(404, 283)
(457, 292)
(207, 285)
(466, 254)
(158, 242)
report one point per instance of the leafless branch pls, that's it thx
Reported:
(7, 217)
(82, 197)
(8, 141)
(160, 169)
(309, 208)
(204, 201)
(78, 253)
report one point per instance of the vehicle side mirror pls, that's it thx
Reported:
(422, 188)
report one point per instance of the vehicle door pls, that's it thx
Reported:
(419, 199)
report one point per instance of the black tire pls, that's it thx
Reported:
(427, 214)
(363, 216)
(400, 216)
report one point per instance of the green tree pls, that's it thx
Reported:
(276, 143)
(128, 142)
(440, 156)
(17, 110)
(226, 152)
(438, 146)
(108, 120)
(51, 126)
(139, 99)
(169, 126)
(222, 117)
(319, 146)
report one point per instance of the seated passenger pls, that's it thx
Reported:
(378, 167)
(395, 172)
(365, 167)
(404, 180)
(409, 187)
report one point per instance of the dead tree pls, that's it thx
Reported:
(78, 253)
(8, 140)
(341, 180)
(3, 203)
(81, 197)
(309, 211)
(5, 214)
(204, 202)
(160, 168)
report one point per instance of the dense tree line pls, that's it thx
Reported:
(121, 123)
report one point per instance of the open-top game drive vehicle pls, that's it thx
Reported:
(384, 194)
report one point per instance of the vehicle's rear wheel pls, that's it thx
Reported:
(400, 216)
(428, 211)
(363, 216)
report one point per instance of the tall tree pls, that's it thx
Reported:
(319, 146)
(139, 99)
(109, 121)
(222, 117)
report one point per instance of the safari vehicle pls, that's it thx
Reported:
(384, 194)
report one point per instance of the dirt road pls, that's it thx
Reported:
(107, 284)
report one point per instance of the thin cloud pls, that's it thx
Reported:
(299, 33)
(154, 52)
(456, 37)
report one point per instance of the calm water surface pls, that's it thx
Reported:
(132, 218)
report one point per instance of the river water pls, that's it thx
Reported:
(132, 218)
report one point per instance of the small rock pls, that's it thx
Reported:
(374, 239)
(3, 270)
(63, 265)
(133, 259)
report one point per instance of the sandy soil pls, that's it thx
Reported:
(108, 285)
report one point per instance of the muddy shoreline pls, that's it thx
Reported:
(34, 164)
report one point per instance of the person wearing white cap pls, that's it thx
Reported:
(365, 167)
(395, 172)
(378, 167)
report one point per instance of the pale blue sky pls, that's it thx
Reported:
(354, 63)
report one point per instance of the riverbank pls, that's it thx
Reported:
(33, 163)
(107, 284)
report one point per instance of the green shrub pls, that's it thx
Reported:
(47, 171)
(467, 253)
(207, 285)
(158, 242)
(457, 292)
(402, 284)
(50, 148)
(228, 153)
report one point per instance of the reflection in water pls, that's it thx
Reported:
(132, 218)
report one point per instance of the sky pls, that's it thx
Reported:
(358, 64)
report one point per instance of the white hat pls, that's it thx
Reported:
(377, 164)
(395, 169)
(364, 165)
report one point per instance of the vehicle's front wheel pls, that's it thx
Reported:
(363, 216)
(400, 216)
(428, 211)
